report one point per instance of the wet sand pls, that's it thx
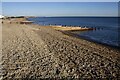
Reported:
(32, 51)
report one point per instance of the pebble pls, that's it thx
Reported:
(41, 50)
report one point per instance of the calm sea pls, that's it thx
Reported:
(107, 31)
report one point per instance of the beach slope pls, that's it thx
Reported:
(32, 51)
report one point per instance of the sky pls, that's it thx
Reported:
(60, 0)
(60, 8)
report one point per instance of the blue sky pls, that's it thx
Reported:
(60, 0)
(60, 8)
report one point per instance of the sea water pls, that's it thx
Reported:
(107, 28)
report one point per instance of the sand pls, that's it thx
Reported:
(33, 52)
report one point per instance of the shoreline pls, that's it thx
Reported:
(69, 32)
(66, 32)
(32, 51)
(90, 40)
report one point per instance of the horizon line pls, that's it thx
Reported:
(56, 16)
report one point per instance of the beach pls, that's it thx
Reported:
(32, 51)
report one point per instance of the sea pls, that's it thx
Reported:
(107, 28)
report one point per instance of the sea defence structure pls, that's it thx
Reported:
(72, 28)
(26, 22)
